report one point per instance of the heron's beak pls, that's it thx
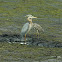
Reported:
(34, 17)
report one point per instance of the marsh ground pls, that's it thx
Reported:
(12, 18)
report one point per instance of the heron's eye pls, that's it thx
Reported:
(30, 18)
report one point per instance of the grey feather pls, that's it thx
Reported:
(24, 30)
(37, 27)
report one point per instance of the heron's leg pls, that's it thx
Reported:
(25, 37)
(37, 33)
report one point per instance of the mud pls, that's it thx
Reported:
(34, 41)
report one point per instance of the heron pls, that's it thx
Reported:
(38, 28)
(28, 26)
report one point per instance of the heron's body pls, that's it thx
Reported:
(25, 29)
(37, 27)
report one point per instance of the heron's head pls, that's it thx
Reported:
(30, 17)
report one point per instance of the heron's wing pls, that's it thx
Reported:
(37, 27)
(25, 29)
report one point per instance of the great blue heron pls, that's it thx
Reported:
(28, 26)
(37, 27)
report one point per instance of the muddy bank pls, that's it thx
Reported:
(34, 41)
(15, 52)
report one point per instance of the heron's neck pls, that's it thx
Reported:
(30, 22)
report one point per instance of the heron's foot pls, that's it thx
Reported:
(27, 39)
